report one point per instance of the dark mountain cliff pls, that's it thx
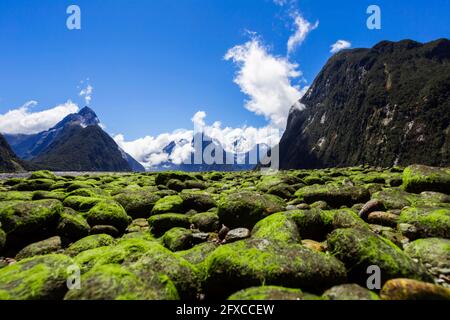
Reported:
(385, 106)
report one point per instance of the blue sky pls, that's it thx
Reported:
(154, 64)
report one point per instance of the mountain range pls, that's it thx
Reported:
(76, 143)
(384, 106)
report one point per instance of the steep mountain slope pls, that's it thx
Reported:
(389, 105)
(8, 160)
(77, 143)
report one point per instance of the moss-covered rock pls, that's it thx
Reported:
(198, 253)
(206, 221)
(158, 259)
(108, 212)
(429, 222)
(72, 225)
(255, 262)
(266, 293)
(80, 203)
(177, 239)
(161, 223)
(115, 282)
(199, 202)
(334, 195)
(168, 204)
(124, 252)
(30, 220)
(89, 242)
(359, 249)
(434, 254)
(246, 208)
(43, 174)
(51, 245)
(40, 195)
(418, 178)
(34, 185)
(137, 203)
(350, 292)
(105, 229)
(16, 195)
(37, 278)
(277, 227)
(163, 177)
(408, 289)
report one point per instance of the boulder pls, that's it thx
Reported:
(89, 242)
(255, 262)
(360, 249)
(137, 203)
(108, 212)
(168, 204)
(36, 278)
(350, 292)
(428, 222)
(115, 282)
(246, 208)
(267, 293)
(334, 195)
(177, 239)
(419, 178)
(51, 245)
(161, 223)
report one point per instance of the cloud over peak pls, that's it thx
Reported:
(266, 80)
(24, 121)
(340, 45)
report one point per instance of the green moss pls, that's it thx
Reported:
(161, 223)
(359, 249)
(108, 212)
(16, 195)
(168, 204)
(334, 195)
(137, 203)
(115, 282)
(429, 222)
(199, 201)
(44, 174)
(246, 208)
(40, 248)
(158, 259)
(206, 221)
(39, 195)
(81, 204)
(177, 239)
(257, 262)
(35, 184)
(125, 252)
(198, 253)
(432, 251)
(37, 278)
(418, 178)
(72, 225)
(27, 217)
(266, 293)
(278, 227)
(89, 242)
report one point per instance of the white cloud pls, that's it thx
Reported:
(23, 120)
(266, 79)
(150, 151)
(302, 29)
(87, 94)
(340, 45)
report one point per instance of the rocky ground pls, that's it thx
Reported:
(204, 236)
